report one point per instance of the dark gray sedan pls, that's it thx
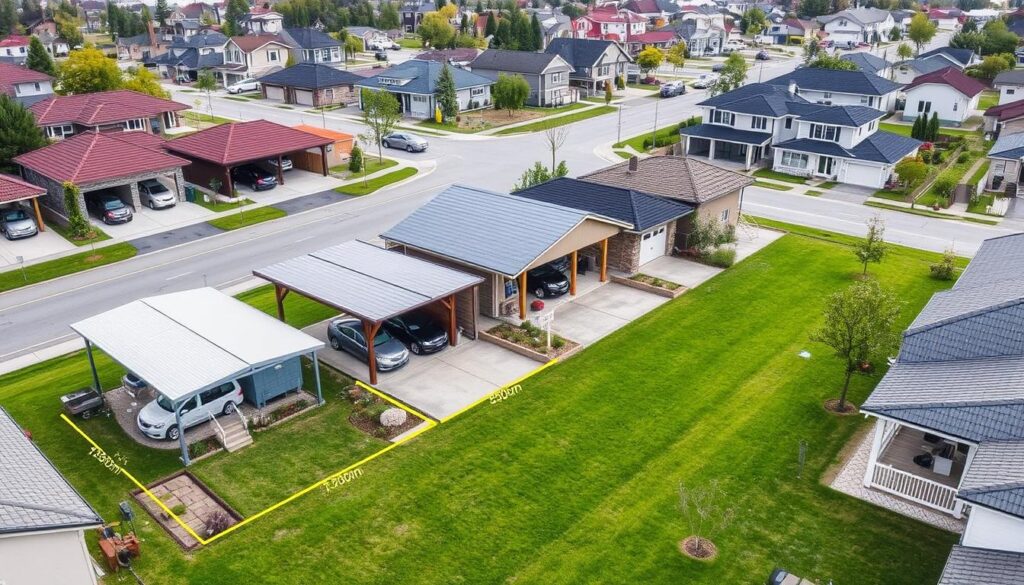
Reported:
(406, 141)
(347, 335)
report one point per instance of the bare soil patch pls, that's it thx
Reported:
(706, 552)
(832, 405)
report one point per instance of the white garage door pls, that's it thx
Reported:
(304, 97)
(652, 244)
(865, 175)
(274, 93)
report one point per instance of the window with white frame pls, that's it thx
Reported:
(135, 124)
(924, 107)
(476, 91)
(794, 160)
(273, 56)
(556, 77)
(822, 132)
(725, 118)
(759, 123)
(827, 95)
(872, 125)
(419, 99)
(605, 70)
(1010, 91)
(60, 131)
(724, 216)
(789, 123)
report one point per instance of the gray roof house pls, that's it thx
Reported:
(414, 83)
(594, 62)
(311, 84)
(43, 518)
(950, 415)
(309, 45)
(868, 63)
(547, 74)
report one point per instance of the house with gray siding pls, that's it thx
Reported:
(547, 74)
(595, 62)
(414, 84)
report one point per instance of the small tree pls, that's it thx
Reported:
(381, 114)
(676, 55)
(904, 51)
(510, 93)
(912, 172)
(353, 45)
(555, 136)
(945, 269)
(703, 512)
(921, 30)
(823, 61)
(933, 128)
(732, 75)
(205, 81)
(142, 80)
(355, 160)
(38, 59)
(649, 60)
(608, 94)
(538, 174)
(88, 70)
(873, 247)
(18, 132)
(859, 326)
(447, 100)
(620, 83)
(78, 226)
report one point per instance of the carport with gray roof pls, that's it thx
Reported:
(374, 285)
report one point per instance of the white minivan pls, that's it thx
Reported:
(156, 419)
(244, 85)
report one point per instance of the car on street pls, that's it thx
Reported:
(347, 335)
(108, 207)
(156, 195)
(286, 164)
(762, 55)
(243, 86)
(547, 281)
(405, 141)
(380, 55)
(718, 67)
(673, 89)
(16, 223)
(157, 420)
(735, 45)
(418, 331)
(705, 81)
(258, 179)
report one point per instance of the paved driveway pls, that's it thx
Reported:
(593, 315)
(38, 246)
(296, 183)
(151, 221)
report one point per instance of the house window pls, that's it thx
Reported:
(273, 56)
(820, 132)
(37, 87)
(827, 95)
(759, 123)
(955, 104)
(872, 125)
(60, 131)
(605, 69)
(420, 99)
(1009, 92)
(135, 124)
(476, 91)
(556, 78)
(924, 107)
(724, 216)
(794, 160)
(725, 118)
(329, 94)
(789, 123)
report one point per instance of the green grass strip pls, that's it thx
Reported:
(777, 176)
(767, 185)
(44, 271)
(247, 218)
(98, 234)
(219, 207)
(361, 188)
(813, 192)
(559, 121)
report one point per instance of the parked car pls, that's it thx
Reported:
(404, 140)
(673, 89)
(393, 46)
(156, 420)
(418, 331)
(718, 67)
(380, 55)
(286, 164)
(244, 85)
(547, 281)
(258, 179)
(762, 55)
(347, 335)
(705, 81)
(156, 195)
(16, 223)
(735, 45)
(108, 207)
(133, 382)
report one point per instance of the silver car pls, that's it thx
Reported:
(404, 140)
(705, 81)
(155, 195)
(347, 335)
(16, 223)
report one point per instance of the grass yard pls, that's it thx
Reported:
(828, 185)
(956, 172)
(205, 118)
(559, 121)
(813, 192)
(668, 133)
(980, 204)
(988, 99)
(777, 176)
(644, 87)
(98, 235)
(218, 206)
(775, 186)
(575, 478)
(247, 218)
(904, 129)
(890, 195)
(371, 185)
(371, 163)
(16, 278)
(980, 173)
(410, 43)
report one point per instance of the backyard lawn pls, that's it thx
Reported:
(575, 478)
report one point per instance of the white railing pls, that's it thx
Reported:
(220, 429)
(914, 488)
(245, 423)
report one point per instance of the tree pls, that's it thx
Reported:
(732, 75)
(205, 81)
(810, 9)
(388, 16)
(18, 132)
(233, 15)
(912, 172)
(933, 128)
(510, 93)
(88, 70)
(435, 30)
(78, 226)
(556, 136)
(142, 80)
(353, 45)
(448, 11)
(917, 131)
(873, 247)
(649, 60)
(970, 25)
(8, 17)
(503, 35)
(447, 100)
(702, 510)
(753, 22)
(162, 12)
(491, 27)
(676, 55)
(536, 34)
(904, 51)
(608, 94)
(824, 61)
(895, 34)
(38, 59)
(991, 66)
(921, 30)
(811, 50)
(538, 174)
(998, 38)
(69, 26)
(355, 159)
(859, 326)
(381, 113)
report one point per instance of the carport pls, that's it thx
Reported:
(189, 342)
(215, 151)
(13, 190)
(374, 285)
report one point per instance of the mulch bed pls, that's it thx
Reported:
(707, 552)
(371, 427)
(832, 406)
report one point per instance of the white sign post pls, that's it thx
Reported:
(544, 321)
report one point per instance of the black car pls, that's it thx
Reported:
(547, 281)
(718, 67)
(108, 207)
(381, 55)
(762, 55)
(673, 89)
(257, 178)
(418, 331)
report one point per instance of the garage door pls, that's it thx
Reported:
(303, 97)
(652, 245)
(864, 175)
(274, 93)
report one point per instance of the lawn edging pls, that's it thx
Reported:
(654, 290)
(358, 188)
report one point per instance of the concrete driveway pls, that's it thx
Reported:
(38, 246)
(296, 184)
(593, 315)
(150, 221)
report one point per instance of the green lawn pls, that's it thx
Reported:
(775, 186)
(813, 192)
(542, 124)
(575, 478)
(559, 109)
(670, 133)
(828, 185)
(413, 43)
(35, 273)
(776, 175)
(246, 218)
(98, 234)
(644, 87)
(980, 204)
(980, 173)
(988, 99)
(955, 171)
(890, 195)
(372, 164)
(199, 117)
(218, 206)
(904, 129)
(371, 185)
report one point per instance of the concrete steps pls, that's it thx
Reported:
(235, 434)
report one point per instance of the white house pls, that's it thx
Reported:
(842, 88)
(414, 83)
(857, 25)
(947, 92)
(263, 21)
(1010, 85)
(42, 518)
(24, 85)
(252, 56)
(947, 18)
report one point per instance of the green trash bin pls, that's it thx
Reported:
(190, 193)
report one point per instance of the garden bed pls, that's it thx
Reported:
(366, 415)
(530, 341)
(192, 502)
(651, 284)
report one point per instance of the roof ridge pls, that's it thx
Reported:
(961, 316)
(82, 160)
(41, 508)
(994, 487)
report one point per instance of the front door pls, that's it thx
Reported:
(825, 165)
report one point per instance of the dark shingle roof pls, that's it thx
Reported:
(422, 77)
(855, 82)
(687, 179)
(815, 147)
(716, 132)
(928, 65)
(641, 210)
(843, 115)
(867, 62)
(760, 99)
(311, 76)
(995, 478)
(513, 61)
(579, 53)
(1013, 77)
(962, 56)
(884, 147)
(976, 566)
(1008, 146)
(310, 38)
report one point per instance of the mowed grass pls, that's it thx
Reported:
(371, 185)
(247, 218)
(544, 124)
(575, 478)
(35, 273)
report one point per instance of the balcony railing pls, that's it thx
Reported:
(916, 489)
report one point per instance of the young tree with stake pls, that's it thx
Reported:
(381, 114)
(873, 247)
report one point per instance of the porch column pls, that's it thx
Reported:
(228, 182)
(324, 166)
(711, 149)
(750, 152)
(522, 295)
(280, 293)
(39, 214)
(958, 507)
(280, 172)
(316, 374)
(92, 367)
(876, 447)
(604, 260)
(453, 322)
(370, 333)
(572, 272)
(181, 435)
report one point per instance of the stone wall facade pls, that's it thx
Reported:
(53, 200)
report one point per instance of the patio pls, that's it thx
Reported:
(909, 443)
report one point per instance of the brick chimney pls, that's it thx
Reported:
(152, 34)
(634, 164)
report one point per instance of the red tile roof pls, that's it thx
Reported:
(654, 36)
(96, 156)
(90, 109)
(10, 75)
(15, 41)
(14, 189)
(239, 142)
(252, 42)
(1007, 111)
(952, 77)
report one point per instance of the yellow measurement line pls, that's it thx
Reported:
(518, 380)
(404, 407)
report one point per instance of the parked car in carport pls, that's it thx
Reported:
(157, 421)
(406, 141)
(156, 195)
(347, 335)
(16, 223)
(256, 178)
(286, 164)
(547, 281)
(108, 207)
(418, 331)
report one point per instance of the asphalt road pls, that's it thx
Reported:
(38, 316)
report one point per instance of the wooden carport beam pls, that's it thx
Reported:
(573, 258)
(323, 160)
(522, 295)
(604, 260)
(280, 172)
(39, 214)
(370, 329)
(453, 322)
(228, 182)
(280, 293)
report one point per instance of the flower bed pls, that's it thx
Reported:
(531, 339)
(366, 415)
(651, 284)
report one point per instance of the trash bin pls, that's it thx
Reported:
(190, 193)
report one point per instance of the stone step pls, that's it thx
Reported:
(233, 446)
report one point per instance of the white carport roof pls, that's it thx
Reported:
(185, 342)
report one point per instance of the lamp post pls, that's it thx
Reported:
(618, 135)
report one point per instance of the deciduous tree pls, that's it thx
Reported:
(649, 60)
(435, 30)
(388, 16)
(911, 171)
(381, 114)
(824, 61)
(88, 70)
(142, 80)
(205, 81)
(921, 30)
(753, 22)
(904, 51)
(732, 75)
(510, 93)
(676, 55)
(873, 247)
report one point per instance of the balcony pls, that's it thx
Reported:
(932, 483)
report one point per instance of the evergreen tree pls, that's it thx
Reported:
(536, 34)
(479, 7)
(446, 96)
(38, 59)
(18, 132)
(503, 36)
(388, 16)
(162, 12)
(8, 17)
(933, 127)
(915, 130)
(491, 28)
(233, 14)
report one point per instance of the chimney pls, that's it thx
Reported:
(634, 164)
(792, 87)
(152, 34)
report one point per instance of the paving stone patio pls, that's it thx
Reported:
(183, 489)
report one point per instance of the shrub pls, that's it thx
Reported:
(683, 124)
(557, 342)
(964, 157)
(937, 157)
(944, 185)
(945, 269)
(355, 161)
(216, 522)
(723, 257)
(78, 226)
(926, 156)
(620, 82)
(178, 510)
(647, 143)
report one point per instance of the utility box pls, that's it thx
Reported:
(272, 382)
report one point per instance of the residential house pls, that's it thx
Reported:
(24, 85)
(46, 31)
(773, 125)
(982, 16)
(14, 49)
(657, 12)
(959, 58)
(949, 416)
(870, 64)
(105, 111)
(947, 92)
(93, 12)
(141, 47)
(43, 519)
(857, 25)
(904, 72)
(312, 46)
(609, 23)
(263, 21)
(370, 36)
(1006, 161)
(185, 57)
(459, 57)
(252, 56)
(1005, 118)
(902, 19)
(338, 153)
(553, 23)
(414, 83)
(1015, 21)
(412, 13)
(310, 84)
(701, 37)
(786, 31)
(949, 19)
(594, 62)
(547, 74)
(853, 88)
(1010, 85)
